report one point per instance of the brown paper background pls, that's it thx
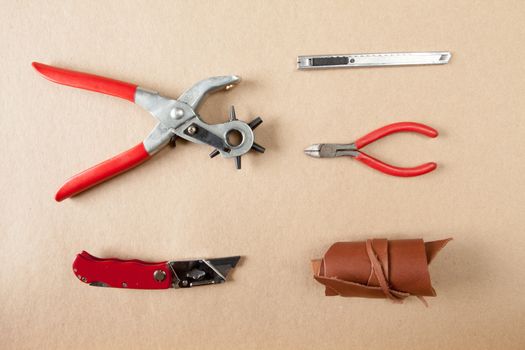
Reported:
(283, 208)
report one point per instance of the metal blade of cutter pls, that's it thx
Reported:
(192, 273)
(223, 266)
(373, 59)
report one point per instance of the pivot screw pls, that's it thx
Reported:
(192, 130)
(177, 113)
(159, 275)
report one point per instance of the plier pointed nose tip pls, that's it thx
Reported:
(313, 150)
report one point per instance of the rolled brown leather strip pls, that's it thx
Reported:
(378, 268)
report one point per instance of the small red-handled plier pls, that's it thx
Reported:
(176, 118)
(330, 150)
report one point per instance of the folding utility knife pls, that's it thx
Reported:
(137, 274)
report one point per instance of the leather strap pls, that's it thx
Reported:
(380, 272)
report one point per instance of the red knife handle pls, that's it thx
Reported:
(394, 128)
(394, 170)
(102, 172)
(87, 81)
(135, 274)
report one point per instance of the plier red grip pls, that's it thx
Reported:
(330, 150)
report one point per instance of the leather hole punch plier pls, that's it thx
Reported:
(176, 118)
(330, 150)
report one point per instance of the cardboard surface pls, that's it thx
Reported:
(283, 208)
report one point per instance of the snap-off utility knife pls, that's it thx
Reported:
(373, 59)
(137, 274)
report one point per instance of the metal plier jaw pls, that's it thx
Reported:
(331, 150)
(176, 119)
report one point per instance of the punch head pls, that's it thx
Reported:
(233, 116)
(238, 162)
(258, 148)
(255, 123)
(255, 146)
(214, 153)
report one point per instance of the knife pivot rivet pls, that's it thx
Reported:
(124, 285)
(192, 130)
(185, 283)
(159, 275)
(83, 279)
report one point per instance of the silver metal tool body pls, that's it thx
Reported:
(373, 59)
(178, 118)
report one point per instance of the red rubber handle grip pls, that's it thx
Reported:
(135, 274)
(394, 170)
(102, 172)
(393, 128)
(87, 81)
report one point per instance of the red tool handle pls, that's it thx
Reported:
(393, 128)
(102, 172)
(118, 273)
(87, 81)
(393, 170)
